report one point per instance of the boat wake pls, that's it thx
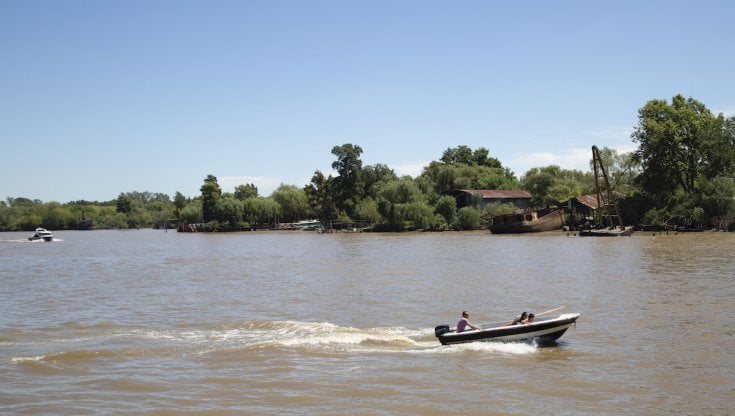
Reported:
(323, 337)
(27, 241)
(76, 344)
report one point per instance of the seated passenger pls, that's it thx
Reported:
(464, 322)
(520, 319)
(529, 320)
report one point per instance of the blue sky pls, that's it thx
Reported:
(103, 97)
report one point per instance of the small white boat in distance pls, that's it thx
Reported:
(307, 224)
(41, 234)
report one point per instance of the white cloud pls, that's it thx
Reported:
(616, 138)
(412, 169)
(575, 158)
(727, 111)
(614, 134)
(572, 158)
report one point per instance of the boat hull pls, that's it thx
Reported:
(545, 331)
(607, 232)
(527, 223)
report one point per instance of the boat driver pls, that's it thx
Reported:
(464, 322)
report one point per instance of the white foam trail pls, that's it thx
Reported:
(21, 360)
(512, 348)
(316, 337)
(328, 337)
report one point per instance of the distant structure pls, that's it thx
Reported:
(85, 224)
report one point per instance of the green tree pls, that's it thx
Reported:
(373, 176)
(468, 218)
(246, 191)
(622, 170)
(367, 210)
(124, 203)
(416, 215)
(687, 159)
(180, 202)
(552, 184)
(347, 189)
(6, 216)
(192, 213)
(446, 206)
(27, 221)
(463, 168)
(466, 156)
(678, 142)
(58, 217)
(228, 210)
(495, 209)
(402, 204)
(260, 211)
(211, 192)
(460, 154)
(319, 197)
(293, 202)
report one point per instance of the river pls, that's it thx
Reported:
(271, 323)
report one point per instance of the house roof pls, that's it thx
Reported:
(588, 200)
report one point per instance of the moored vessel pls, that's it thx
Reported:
(531, 221)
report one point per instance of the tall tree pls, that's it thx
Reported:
(123, 203)
(465, 155)
(179, 204)
(374, 175)
(347, 188)
(248, 190)
(319, 197)
(678, 142)
(211, 192)
(460, 154)
(463, 168)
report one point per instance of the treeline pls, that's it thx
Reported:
(683, 174)
(129, 210)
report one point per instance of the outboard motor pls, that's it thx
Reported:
(441, 329)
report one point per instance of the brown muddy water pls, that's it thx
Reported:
(147, 322)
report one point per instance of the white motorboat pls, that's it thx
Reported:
(41, 234)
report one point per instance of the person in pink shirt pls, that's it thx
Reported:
(464, 322)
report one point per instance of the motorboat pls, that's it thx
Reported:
(541, 331)
(307, 224)
(41, 234)
(621, 230)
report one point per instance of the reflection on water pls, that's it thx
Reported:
(303, 323)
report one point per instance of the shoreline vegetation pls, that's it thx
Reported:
(680, 178)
